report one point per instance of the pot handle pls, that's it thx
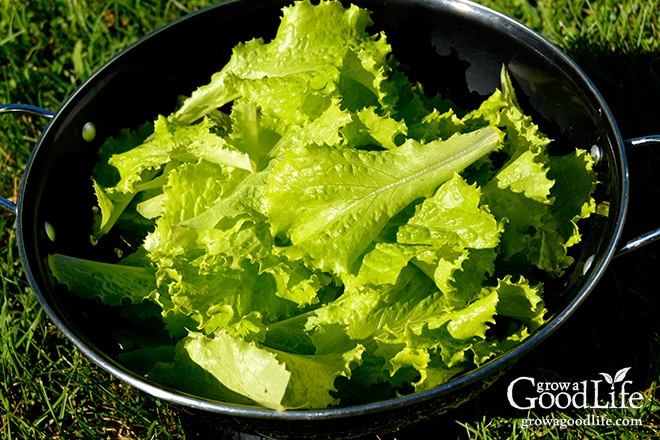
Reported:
(26, 110)
(650, 236)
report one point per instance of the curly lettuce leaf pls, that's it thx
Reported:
(172, 143)
(438, 345)
(451, 237)
(551, 220)
(112, 283)
(345, 197)
(213, 277)
(452, 216)
(311, 48)
(273, 379)
(113, 204)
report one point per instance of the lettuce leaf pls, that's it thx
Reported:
(312, 47)
(273, 379)
(347, 196)
(111, 283)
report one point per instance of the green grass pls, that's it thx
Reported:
(49, 390)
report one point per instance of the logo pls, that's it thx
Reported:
(612, 391)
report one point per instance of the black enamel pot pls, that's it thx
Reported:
(455, 46)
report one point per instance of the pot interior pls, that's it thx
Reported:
(452, 47)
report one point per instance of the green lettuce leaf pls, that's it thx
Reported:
(113, 284)
(278, 75)
(169, 143)
(104, 176)
(345, 197)
(273, 379)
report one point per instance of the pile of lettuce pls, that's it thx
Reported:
(313, 230)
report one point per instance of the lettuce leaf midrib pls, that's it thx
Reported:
(428, 170)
